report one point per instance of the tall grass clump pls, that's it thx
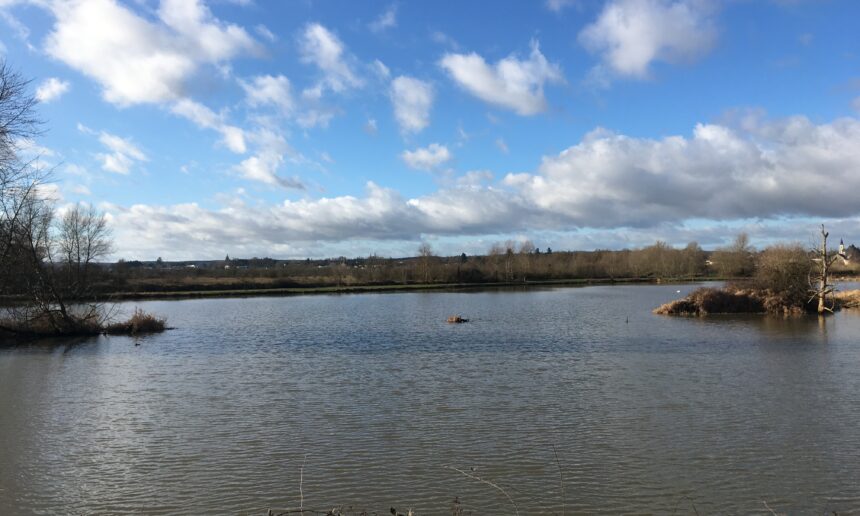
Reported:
(140, 322)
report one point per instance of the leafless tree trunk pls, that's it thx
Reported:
(820, 286)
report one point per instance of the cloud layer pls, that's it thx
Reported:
(767, 169)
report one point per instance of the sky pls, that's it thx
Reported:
(314, 128)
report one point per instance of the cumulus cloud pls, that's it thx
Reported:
(51, 89)
(769, 169)
(122, 156)
(270, 90)
(427, 158)
(631, 34)
(386, 20)
(263, 166)
(512, 83)
(322, 48)
(202, 34)
(231, 136)
(412, 99)
(136, 60)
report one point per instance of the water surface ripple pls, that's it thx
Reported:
(375, 394)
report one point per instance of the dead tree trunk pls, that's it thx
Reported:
(820, 286)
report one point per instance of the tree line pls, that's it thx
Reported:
(505, 262)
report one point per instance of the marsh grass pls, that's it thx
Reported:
(139, 323)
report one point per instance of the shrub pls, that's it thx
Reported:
(706, 300)
(139, 322)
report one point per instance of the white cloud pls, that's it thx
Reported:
(80, 190)
(322, 48)
(122, 156)
(269, 90)
(770, 169)
(51, 89)
(631, 34)
(136, 60)
(475, 178)
(427, 158)
(29, 149)
(386, 20)
(381, 214)
(412, 99)
(263, 166)
(202, 34)
(231, 136)
(511, 83)
(316, 117)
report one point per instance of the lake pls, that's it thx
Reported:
(570, 399)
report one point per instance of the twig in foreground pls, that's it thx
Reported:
(479, 479)
(560, 477)
(766, 506)
(301, 481)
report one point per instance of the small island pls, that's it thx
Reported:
(787, 280)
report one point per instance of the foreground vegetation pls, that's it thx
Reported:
(140, 323)
(48, 258)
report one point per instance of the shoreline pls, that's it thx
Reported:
(363, 289)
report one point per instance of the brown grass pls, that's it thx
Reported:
(848, 299)
(736, 299)
(703, 301)
(140, 322)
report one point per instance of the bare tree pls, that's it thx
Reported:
(820, 287)
(19, 181)
(46, 263)
(425, 252)
(737, 259)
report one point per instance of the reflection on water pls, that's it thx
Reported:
(647, 413)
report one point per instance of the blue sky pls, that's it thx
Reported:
(322, 128)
